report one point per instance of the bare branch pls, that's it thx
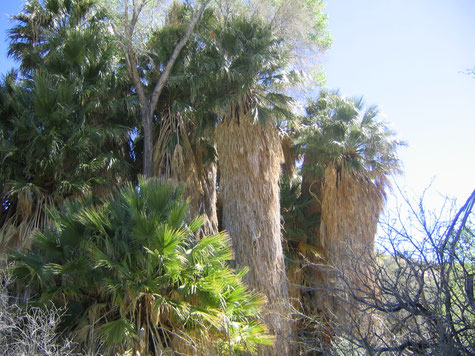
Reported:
(171, 61)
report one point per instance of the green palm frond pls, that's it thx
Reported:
(135, 255)
(339, 130)
(246, 66)
(65, 123)
(114, 332)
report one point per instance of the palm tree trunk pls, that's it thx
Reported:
(351, 206)
(250, 158)
(147, 119)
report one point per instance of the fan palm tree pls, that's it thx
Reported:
(28, 36)
(348, 156)
(244, 60)
(31, 34)
(133, 276)
(184, 150)
(65, 128)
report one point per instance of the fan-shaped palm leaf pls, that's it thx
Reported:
(151, 286)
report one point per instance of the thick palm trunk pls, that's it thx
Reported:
(351, 206)
(250, 157)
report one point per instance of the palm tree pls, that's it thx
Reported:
(353, 154)
(132, 275)
(65, 127)
(126, 26)
(348, 156)
(30, 36)
(184, 150)
(248, 61)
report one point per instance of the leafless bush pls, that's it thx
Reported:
(414, 296)
(30, 331)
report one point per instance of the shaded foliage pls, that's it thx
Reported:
(65, 123)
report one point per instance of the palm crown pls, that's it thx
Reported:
(340, 131)
(246, 65)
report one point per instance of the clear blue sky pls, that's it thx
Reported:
(406, 56)
(7, 7)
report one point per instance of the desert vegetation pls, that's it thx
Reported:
(163, 193)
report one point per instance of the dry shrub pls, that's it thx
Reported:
(30, 331)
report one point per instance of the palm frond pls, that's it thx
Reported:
(135, 255)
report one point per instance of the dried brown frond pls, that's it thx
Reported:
(290, 155)
(182, 163)
(250, 158)
(28, 216)
(351, 206)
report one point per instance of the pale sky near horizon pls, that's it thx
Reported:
(407, 57)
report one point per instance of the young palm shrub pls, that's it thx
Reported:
(134, 278)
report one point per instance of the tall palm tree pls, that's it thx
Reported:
(353, 153)
(184, 150)
(248, 61)
(349, 155)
